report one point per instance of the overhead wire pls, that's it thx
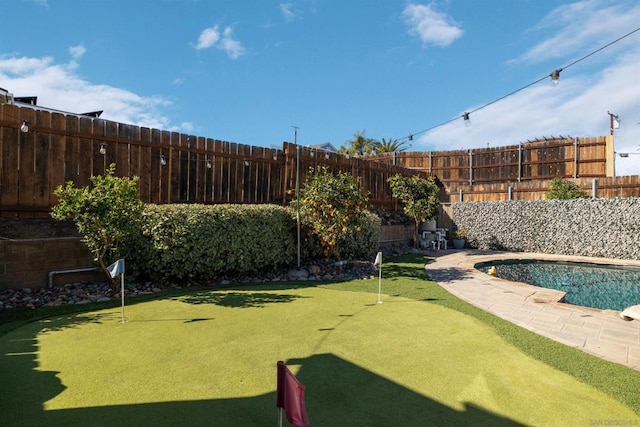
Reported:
(555, 74)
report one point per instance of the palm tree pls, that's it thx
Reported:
(390, 146)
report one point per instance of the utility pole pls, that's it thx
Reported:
(295, 141)
(614, 123)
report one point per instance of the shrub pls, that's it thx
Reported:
(333, 211)
(201, 241)
(362, 243)
(564, 189)
(107, 213)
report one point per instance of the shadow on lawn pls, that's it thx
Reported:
(337, 393)
(236, 299)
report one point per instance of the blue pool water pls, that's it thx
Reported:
(589, 285)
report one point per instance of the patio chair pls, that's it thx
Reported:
(429, 239)
(441, 241)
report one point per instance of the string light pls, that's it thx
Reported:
(25, 126)
(103, 149)
(163, 160)
(467, 121)
(555, 75)
(209, 165)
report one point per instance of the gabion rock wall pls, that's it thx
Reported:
(607, 228)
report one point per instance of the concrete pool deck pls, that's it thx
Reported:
(599, 332)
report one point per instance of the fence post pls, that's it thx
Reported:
(470, 167)
(520, 162)
(594, 188)
(460, 195)
(575, 157)
(510, 189)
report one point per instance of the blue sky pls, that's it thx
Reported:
(247, 71)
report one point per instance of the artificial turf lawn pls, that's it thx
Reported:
(208, 357)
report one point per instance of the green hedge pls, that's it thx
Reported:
(207, 241)
(211, 241)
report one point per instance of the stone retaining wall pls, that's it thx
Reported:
(608, 228)
(27, 263)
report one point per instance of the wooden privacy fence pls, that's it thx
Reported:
(604, 187)
(541, 159)
(179, 168)
(172, 167)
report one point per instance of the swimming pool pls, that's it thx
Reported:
(606, 287)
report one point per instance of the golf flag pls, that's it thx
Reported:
(117, 268)
(378, 261)
(290, 397)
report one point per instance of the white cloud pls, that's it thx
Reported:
(288, 12)
(432, 27)
(77, 52)
(208, 37)
(233, 47)
(187, 127)
(211, 37)
(577, 28)
(58, 86)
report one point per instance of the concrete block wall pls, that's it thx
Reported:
(27, 263)
(608, 228)
(396, 234)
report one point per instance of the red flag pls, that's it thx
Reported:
(290, 396)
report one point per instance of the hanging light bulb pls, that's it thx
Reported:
(103, 149)
(467, 121)
(312, 153)
(410, 137)
(25, 126)
(616, 122)
(209, 165)
(163, 160)
(555, 76)
(326, 155)
(246, 162)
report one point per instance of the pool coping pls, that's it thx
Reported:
(598, 332)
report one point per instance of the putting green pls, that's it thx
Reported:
(209, 358)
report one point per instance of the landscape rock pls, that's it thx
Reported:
(99, 291)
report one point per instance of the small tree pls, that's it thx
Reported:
(563, 189)
(419, 196)
(333, 208)
(107, 213)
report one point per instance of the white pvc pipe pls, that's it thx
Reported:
(73, 270)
